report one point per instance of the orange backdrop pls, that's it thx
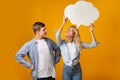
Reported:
(18, 16)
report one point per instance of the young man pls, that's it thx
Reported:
(42, 52)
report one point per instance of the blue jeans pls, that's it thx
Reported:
(72, 73)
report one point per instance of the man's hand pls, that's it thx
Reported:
(32, 67)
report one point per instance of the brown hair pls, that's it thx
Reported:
(37, 26)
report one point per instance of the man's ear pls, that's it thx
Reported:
(37, 32)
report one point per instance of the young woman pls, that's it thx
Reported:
(70, 49)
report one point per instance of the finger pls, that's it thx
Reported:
(91, 24)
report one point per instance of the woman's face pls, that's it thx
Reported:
(70, 32)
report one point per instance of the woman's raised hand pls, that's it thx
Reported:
(91, 27)
(65, 19)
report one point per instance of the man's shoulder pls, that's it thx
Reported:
(48, 39)
(30, 42)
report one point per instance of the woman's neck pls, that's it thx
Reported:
(69, 39)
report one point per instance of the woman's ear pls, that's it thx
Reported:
(74, 35)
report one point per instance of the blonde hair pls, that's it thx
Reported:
(76, 37)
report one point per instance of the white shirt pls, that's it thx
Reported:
(72, 55)
(45, 66)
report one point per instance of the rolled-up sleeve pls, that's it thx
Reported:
(89, 45)
(21, 54)
(58, 38)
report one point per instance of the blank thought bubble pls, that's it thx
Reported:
(81, 13)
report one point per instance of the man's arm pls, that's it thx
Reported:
(57, 52)
(21, 54)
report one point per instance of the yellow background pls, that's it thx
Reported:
(18, 16)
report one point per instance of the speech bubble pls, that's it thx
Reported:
(81, 13)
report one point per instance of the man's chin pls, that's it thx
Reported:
(45, 35)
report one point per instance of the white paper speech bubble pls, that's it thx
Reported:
(81, 13)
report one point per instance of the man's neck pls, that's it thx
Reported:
(38, 37)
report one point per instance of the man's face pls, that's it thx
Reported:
(42, 32)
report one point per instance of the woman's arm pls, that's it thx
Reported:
(94, 43)
(91, 32)
(58, 38)
(62, 25)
